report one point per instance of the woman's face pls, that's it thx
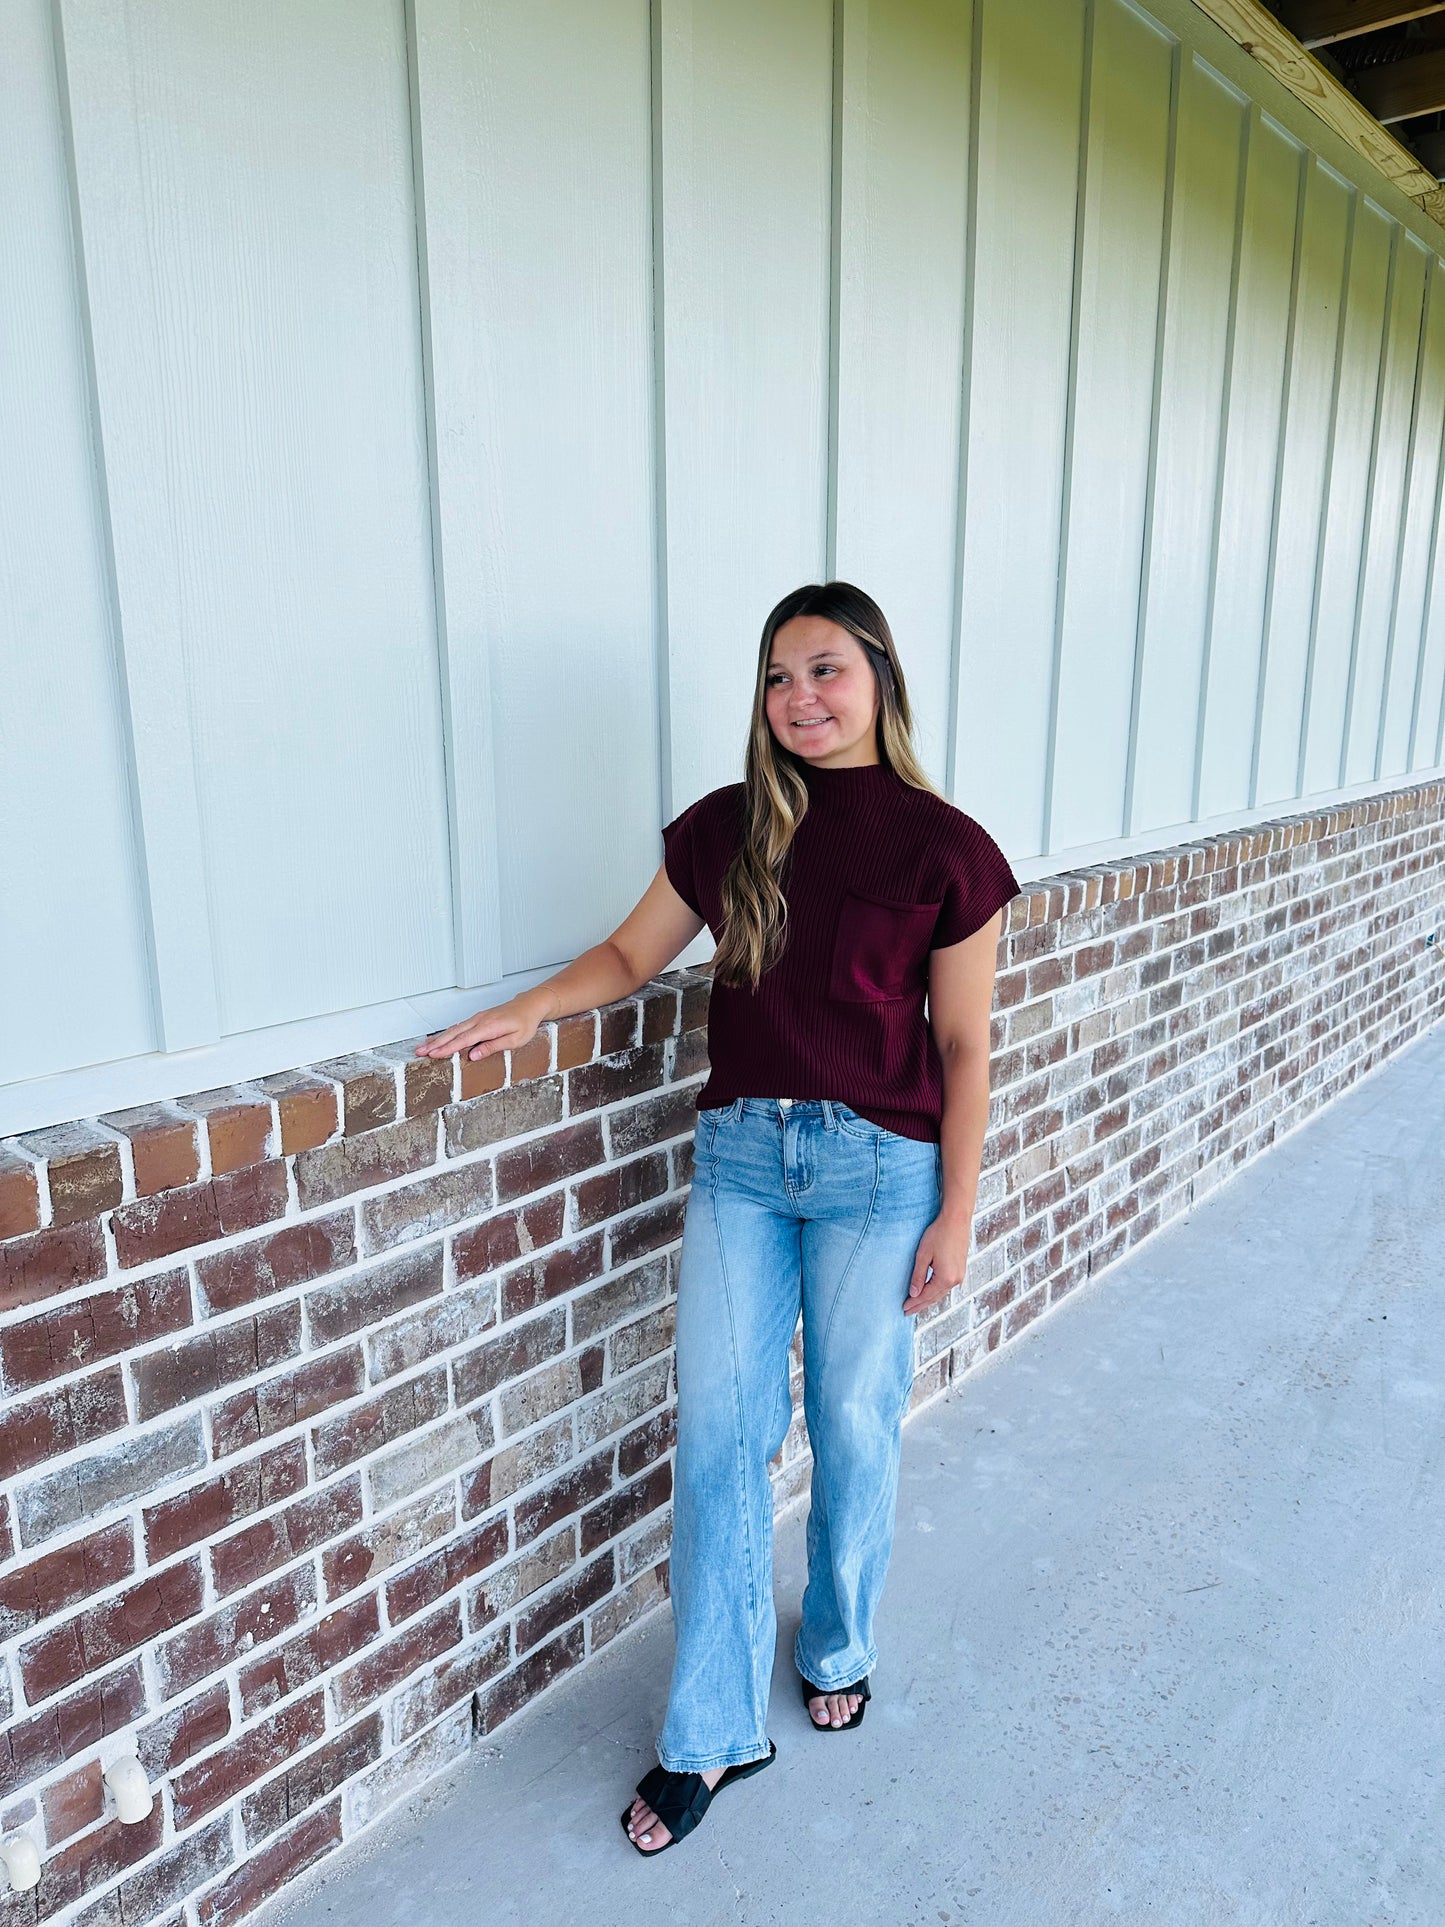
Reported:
(822, 695)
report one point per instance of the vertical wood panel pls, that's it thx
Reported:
(1427, 719)
(1303, 472)
(1117, 284)
(1368, 270)
(902, 171)
(1202, 240)
(1385, 515)
(1404, 654)
(1030, 64)
(535, 139)
(246, 205)
(744, 194)
(65, 800)
(1252, 418)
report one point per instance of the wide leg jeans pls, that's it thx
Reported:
(794, 1205)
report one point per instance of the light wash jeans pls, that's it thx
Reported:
(791, 1203)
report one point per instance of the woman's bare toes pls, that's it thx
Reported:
(645, 1828)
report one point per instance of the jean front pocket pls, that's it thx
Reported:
(879, 947)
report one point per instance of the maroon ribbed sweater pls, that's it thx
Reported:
(878, 875)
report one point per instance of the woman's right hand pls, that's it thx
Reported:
(504, 1027)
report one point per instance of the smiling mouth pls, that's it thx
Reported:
(812, 722)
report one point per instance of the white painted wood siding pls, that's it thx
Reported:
(409, 412)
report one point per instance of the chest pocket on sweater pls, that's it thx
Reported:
(879, 947)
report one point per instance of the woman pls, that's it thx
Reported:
(836, 1161)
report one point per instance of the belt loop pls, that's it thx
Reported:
(829, 1121)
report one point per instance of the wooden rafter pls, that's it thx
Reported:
(1415, 85)
(1276, 49)
(1315, 23)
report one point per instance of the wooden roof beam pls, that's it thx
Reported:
(1315, 23)
(1276, 49)
(1405, 87)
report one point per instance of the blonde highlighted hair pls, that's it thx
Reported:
(755, 908)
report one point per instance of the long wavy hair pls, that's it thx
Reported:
(755, 910)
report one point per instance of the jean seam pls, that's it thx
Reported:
(740, 1438)
(832, 1313)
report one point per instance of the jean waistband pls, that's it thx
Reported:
(780, 1107)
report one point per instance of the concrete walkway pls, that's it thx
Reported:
(1164, 1634)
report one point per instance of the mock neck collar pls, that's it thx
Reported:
(850, 780)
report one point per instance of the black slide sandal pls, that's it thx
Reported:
(681, 1799)
(812, 1692)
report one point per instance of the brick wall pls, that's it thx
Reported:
(338, 1406)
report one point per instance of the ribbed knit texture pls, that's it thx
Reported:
(878, 875)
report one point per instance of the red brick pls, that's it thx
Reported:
(532, 1059)
(389, 1665)
(429, 1204)
(627, 1507)
(320, 1649)
(183, 1731)
(423, 1584)
(479, 1075)
(647, 1443)
(294, 1255)
(565, 1602)
(562, 1270)
(508, 1356)
(381, 1292)
(617, 1027)
(524, 1682)
(92, 1861)
(659, 1001)
(60, 1420)
(74, 1802)
(82, 1168)
(237, 1122)
(312, 1778)
(576, 1040)
(173, 1221)
(611, 1079)
(164, 1146)
(351, 1164)
(309, 1108)
(671, 1114)
(696, 997)
(19, 1196)
(647, 1230)
(50, 1262)
(168, 1879)
(399, 1410)
(30, 1747)
(456, 1679)
(48, 1585)
(368, 1090)
(547, 1159)
(510, 1112)
(79, 1334)
(576, 1488)
(219, 1777)
(191, 1656)
(480, 1248)
(257, 1549)
(265, 1873)
(241, 1348)
(207, 1509)
(619, 1189)
(286, 1400)
(101, 1633)
(386, 1542)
